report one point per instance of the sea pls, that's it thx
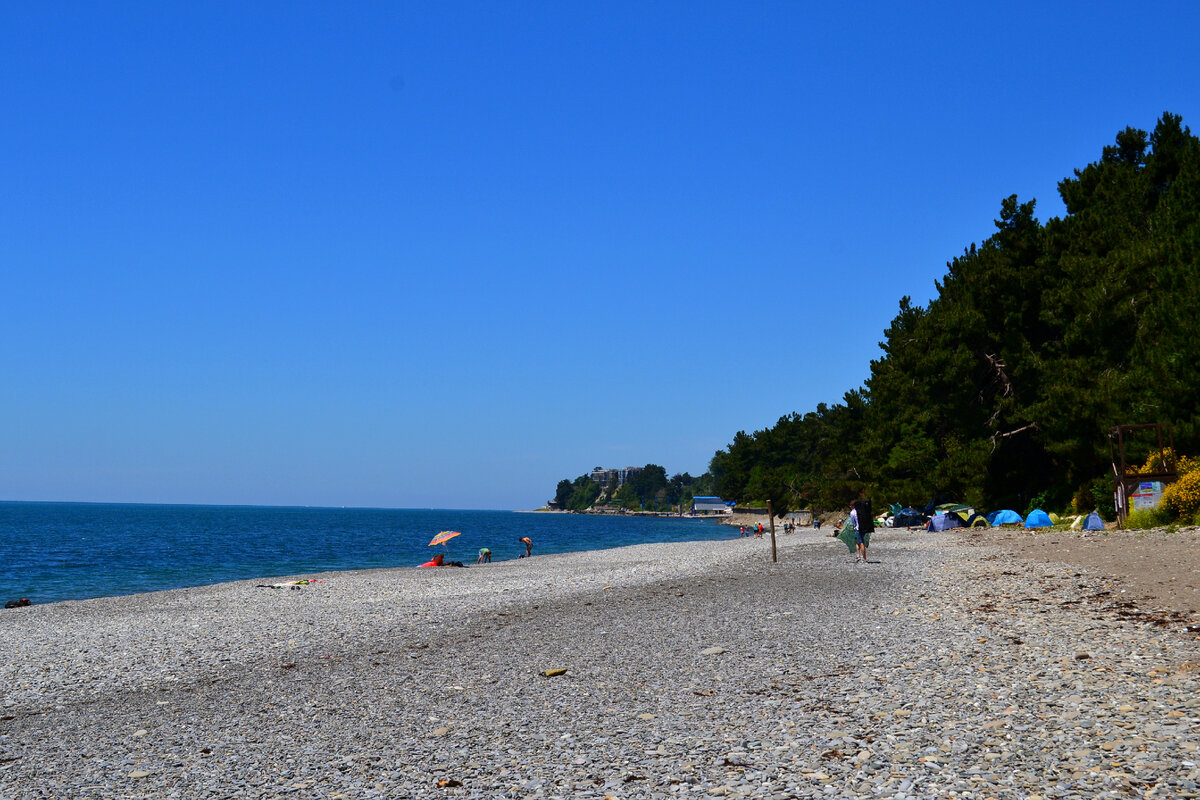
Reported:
(71, 551)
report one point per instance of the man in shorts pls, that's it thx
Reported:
(863, 522)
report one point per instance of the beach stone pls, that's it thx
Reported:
(712, 651)
(800, 712)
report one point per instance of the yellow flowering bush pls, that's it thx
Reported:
(1183, 464)
(1182, 498)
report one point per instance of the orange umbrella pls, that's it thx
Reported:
(444, 537)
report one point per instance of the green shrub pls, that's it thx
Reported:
(1101, 490)
(1082, 501)
(1146, 518)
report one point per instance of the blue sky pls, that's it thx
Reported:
(445, 254)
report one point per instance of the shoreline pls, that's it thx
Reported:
(47, 568)
(696, 668)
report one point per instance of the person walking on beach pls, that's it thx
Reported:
(485, 556)
(857, 536)
(864, 526)
(525, 540)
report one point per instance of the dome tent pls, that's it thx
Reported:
(944, 522)
(1005, 517)
(1038, 519)
(1093, 522)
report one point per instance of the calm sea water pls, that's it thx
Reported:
(70, 551)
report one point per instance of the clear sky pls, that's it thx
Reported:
(445, 254)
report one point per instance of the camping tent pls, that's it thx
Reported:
(1005, 517)
(906, 517)
(1093, 522)
(942, 522)
(967, 516)
(1038, 519)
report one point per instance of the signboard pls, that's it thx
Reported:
(1147, 495)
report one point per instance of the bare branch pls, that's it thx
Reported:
(1033, 426)
(1000, 376)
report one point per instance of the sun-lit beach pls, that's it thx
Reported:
(778, 314)
(946, 667)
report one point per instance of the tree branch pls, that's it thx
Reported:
(1033, 426)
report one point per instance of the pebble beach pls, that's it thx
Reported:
(945, 668)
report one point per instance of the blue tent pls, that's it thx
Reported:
(906, 517)
(1038, 519)
(1005, 517)
(1093, 522)
(943, 522)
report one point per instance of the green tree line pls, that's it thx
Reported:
(648, 488)
(1001, 391)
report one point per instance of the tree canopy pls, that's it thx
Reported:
(647, 488)
(1040, 339)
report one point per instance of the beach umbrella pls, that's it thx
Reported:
(444, 537)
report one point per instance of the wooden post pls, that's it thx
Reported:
(771, 521)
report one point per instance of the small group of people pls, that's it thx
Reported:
(855, 531)
(485, 556)
(755, 530)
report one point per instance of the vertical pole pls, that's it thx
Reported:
(771, 521)
(1123, 512)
